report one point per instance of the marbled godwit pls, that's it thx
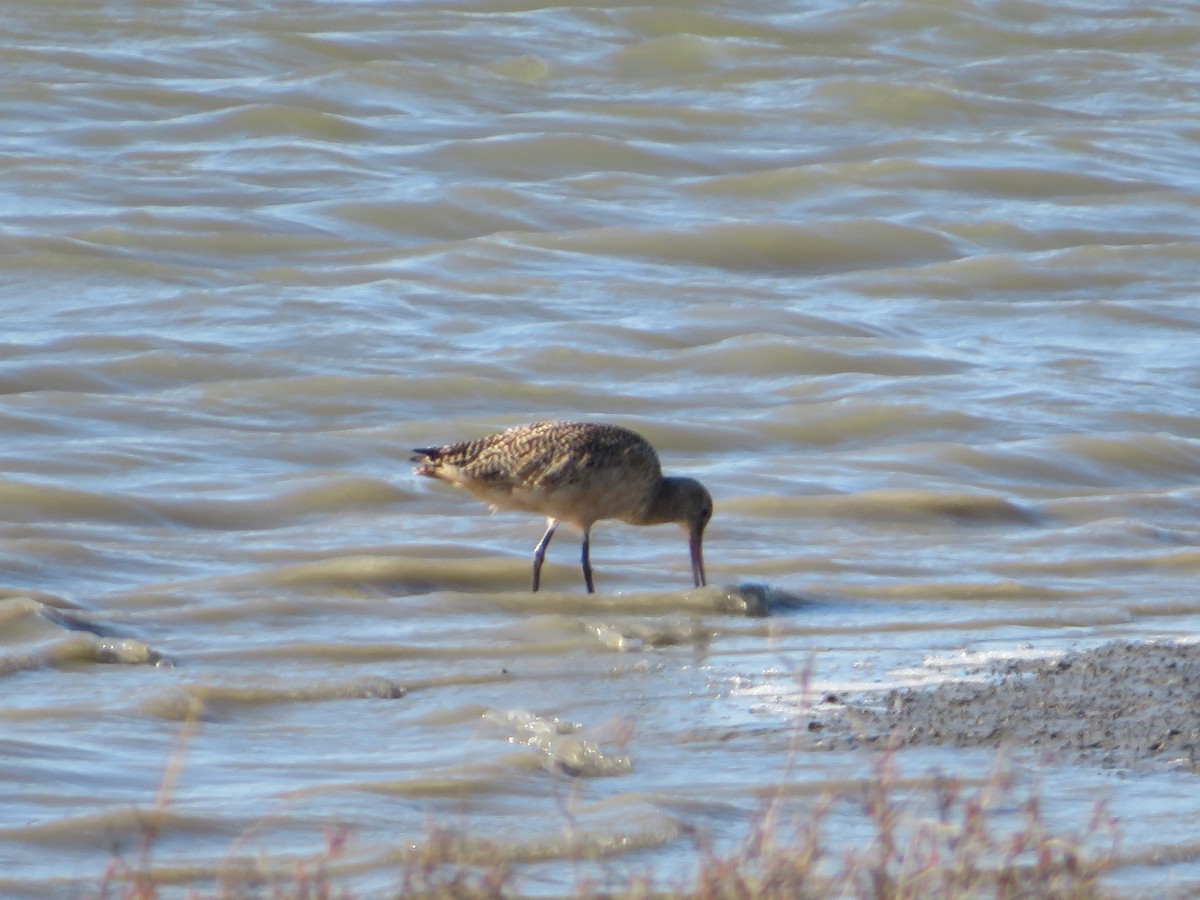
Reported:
(573, 472)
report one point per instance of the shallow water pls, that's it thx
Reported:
(912, 287)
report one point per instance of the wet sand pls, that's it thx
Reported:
(1122, 705)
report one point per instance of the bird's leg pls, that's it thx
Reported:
(587, 563)
(539, 552)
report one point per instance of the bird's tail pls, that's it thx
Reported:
(446, 462)
(428, 458)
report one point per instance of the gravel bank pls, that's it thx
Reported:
(1120, 705)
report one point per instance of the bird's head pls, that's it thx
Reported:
(687, 502)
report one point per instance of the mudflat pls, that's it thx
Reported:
(1126, 705)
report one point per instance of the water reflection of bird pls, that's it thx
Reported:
(573, 472)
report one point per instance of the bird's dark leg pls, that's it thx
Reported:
(539, 552)
(587, 563)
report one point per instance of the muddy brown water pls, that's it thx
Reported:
(911, 287)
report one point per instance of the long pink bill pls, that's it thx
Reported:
(694, 544)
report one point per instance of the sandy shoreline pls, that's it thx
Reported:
(1125, 704)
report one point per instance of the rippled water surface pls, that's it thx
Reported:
(911, 286)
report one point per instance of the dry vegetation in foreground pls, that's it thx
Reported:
(954, 851)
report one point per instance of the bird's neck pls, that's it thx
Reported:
(666, 505)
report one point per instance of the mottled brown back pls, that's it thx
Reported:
(544, 454)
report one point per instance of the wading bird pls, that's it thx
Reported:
(573, 472)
